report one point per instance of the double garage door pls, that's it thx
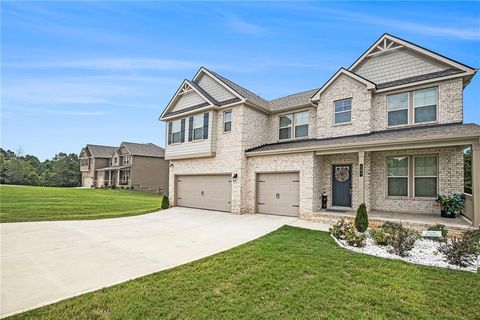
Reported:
(213, 192)
(87, 182)
(277, 193)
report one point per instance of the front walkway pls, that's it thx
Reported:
(43, 262)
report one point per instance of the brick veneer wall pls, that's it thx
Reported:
(450, 179)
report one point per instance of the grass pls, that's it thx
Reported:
(288, 274)
(23, 203)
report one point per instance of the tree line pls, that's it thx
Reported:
(63, 170)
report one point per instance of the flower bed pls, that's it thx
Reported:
(413, 248)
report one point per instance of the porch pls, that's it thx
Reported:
(118, 176)
(415, 220)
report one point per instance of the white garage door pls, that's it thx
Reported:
(278, 193)
(213, 192)
(87, 182)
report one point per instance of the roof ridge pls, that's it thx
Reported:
(99, 145)
(293, 94)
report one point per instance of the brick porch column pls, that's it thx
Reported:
(476, 183)
(361, 177)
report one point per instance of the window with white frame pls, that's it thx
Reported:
(343, 111)
(425, 105)
(126, 159)
(227, 121)
(301, 124)
(198, 127)
(425, 176)
(397, 106)
(421, 104)
(176, 128)
(285, 127)
(397, 176)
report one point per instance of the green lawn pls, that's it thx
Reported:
(289, 274)
(22, 203)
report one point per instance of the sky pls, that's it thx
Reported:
(74, 73)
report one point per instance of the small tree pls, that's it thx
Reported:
(165, 203)
(361, 219)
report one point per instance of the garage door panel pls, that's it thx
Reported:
(278, 193)
(211, 192)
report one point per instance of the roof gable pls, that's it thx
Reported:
(187, 96)
(143, 149)
(342, 72)
(388, 53)
(84, 153)
(97, 151)
(216, 89)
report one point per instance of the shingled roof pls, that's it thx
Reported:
(144, 149)
(427, 132)
(98, 151)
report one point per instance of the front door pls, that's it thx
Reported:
(342, 185)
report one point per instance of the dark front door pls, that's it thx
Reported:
(342, 185)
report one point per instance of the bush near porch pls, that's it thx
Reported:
(26, 203)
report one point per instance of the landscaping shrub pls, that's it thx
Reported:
(354, 238)
(380, 237)
(114, 187)
(340, 228)
(165, 203)
(361, 219)
(474, 234)
(443, 229)
(461, 252)
(402, 241)
(391, 227)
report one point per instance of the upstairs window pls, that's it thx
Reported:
(301, 124)
(397, 106)
(227, 121)
(176, 131)
(413, 107)
(285, 131)
(343, 111)
(425, 176)
(425, 105)
(115, 159)
(397, 176)
(126, 160)
(198, 127)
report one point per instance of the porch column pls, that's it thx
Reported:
(361, 179)
(109, 177)
(476, 183)
(118, 177)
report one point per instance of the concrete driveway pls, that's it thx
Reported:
(43, 262)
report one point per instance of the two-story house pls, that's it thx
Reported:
(388, 131)
(140, 166)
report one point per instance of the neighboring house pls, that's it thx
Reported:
(387, 131)
(132, 165)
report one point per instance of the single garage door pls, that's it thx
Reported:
(213, 192)
(87, 182)
(278, 193)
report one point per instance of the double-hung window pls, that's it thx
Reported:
(412, 107)
(425, 176)
(397, 176)
(294, 125)
(227, 121)
(198, 127)
(285, 131)
(343, 111)
(126, 159)
(397, 106)
(176, 128)
(425, 105)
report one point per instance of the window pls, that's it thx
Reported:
(425, 105)
(343, 111)
(301, 124)
(176, 128)
(116, 159)
(84, 162)
(126, 159)
(285, 131)
(425, 176)
(397, 106)
(421, 103)
(198, 127)
(397, 176)
(227, 121)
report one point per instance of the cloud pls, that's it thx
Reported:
(241, 26)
